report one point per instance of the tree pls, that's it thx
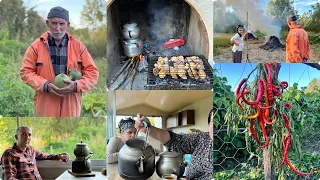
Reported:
(280, 9)
(35, 25)
(304, 19)
(314, 22)
(315, 83)
(12, 14)
(94, 12)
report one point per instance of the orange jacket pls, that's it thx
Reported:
(37, 69)
(297, 45)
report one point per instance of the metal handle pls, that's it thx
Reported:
(130, 34)
(140, 164)
(145, 124)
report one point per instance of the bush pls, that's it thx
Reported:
(314, 39)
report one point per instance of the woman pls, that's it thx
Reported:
(127, 131)
(198, 144)
(238, 46)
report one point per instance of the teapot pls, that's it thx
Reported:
(131, 31)
(136, 159)
(170, 163)
(81, 164)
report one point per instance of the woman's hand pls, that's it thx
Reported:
(139, 123)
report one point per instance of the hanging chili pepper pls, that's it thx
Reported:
(264, 108)
(240, 86)
(295, 170)
(253, 116)
(286, 145)
(252, 131)
(259, 94)
(266, 119)
(270, 95)
(239, 96)
(288, 105)
(264, 132)
(266, 98)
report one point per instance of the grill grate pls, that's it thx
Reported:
(169, 83)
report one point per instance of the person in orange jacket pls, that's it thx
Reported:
(56, 52)
(297, 43)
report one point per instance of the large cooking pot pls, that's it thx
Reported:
(132, 47)
(170, 163)
(81, 164)
(136, 159)
(131, 31)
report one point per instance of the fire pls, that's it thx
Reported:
(139, 57)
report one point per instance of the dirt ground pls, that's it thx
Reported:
(258, 55)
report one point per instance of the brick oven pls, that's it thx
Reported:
(159, 21)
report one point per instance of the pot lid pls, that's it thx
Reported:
(129, 25)
(81, 144)
(169, 154)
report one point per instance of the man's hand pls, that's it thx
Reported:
(68, 89)
(53, 90)
(139, 122)
(64, 157)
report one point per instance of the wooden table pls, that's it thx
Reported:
(67, 176)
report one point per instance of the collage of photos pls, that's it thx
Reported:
(159, 89)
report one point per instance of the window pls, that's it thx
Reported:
(57, 135)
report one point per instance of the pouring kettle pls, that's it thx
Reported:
(136, 159)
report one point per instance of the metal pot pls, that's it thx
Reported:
(170, 163)
(136, 159)
(131, 31)
(82, 164)
(132, 47)
(81, 150)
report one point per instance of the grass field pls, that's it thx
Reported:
(223, 53)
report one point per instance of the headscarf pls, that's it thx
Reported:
(126, 124)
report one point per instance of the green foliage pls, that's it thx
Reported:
(260, 34)
(94, 12)
(94, 104)
(280, 9)
(314, 39)
(284, 32)
(314, 19)
(15, 98)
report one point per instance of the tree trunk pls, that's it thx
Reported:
(268, 166)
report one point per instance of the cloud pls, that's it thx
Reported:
(306, 2)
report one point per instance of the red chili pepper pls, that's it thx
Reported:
(285, 149)
(239, 96)
(288, 105)
(284, 84)
(267, 107)
(270, 95)
(266, 119)
(259, 94)
(275, 91)
(240, 86)
(252, 131)
(295, 170)
(264, 132)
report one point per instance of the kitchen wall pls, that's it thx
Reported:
(201, 110)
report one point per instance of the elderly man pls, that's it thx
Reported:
(297, 43)
(19, 162)
(56, 52)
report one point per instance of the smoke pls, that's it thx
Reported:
(257, 16)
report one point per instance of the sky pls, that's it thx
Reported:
(304, 5)
(289, 72)
(73, 6)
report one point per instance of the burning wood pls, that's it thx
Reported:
(249, 36)
(272, 44)
(129, 69)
